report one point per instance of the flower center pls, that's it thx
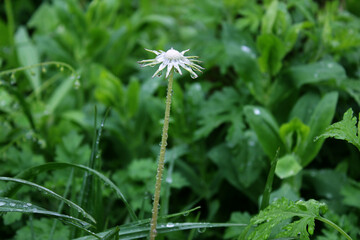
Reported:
(172, 54)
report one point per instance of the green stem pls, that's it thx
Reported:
(339, 229)
(161, 162)
(60, 64)
(269, 182)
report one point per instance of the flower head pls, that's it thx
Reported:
(173, 59)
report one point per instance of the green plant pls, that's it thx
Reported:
(171, 59)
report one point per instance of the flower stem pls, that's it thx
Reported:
(161, 162)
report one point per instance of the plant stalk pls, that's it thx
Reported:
(161, 162)
(339, 229)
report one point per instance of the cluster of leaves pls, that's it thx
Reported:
(278, 73)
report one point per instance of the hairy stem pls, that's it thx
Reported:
(161, 162)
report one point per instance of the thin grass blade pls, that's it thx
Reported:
(34, 171)
(50, 193)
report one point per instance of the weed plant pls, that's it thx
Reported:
(246, 156)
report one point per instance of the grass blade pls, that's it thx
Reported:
(34, 171)
(50, 193)
(11, 205)
(135, 231)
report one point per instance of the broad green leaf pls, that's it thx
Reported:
(272, 52)
(319, 121)
(269, 18)
(45, 11)
(281, 211)
(346, 130)
(28, 55)
(288, 166)
(266, 129)
(314, 73)
(305, 107)
(50, 193)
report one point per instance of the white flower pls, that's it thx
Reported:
(173, 59)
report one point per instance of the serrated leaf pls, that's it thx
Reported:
(344, 130)
(282, 211)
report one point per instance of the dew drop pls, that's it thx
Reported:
(2, 203)
(186, 214)
(43, 69)
(12, 204)
(29, 204)
(245, 49)
(201, 230)
(13, 79)
(193, 75)
(256, 111)
(42, 143)
(61, 68)
(170, 225)
(169, 180)
(77, 84)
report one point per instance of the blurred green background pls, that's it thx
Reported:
(277, 74)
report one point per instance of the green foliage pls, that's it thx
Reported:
(278, 73)
(344, 130)
(281, 210)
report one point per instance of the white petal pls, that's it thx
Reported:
(177, 68)
(170, 66)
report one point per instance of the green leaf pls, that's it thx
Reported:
(40, 229)
(287, 131)
(269, 18)
(346, 130)
(266, 129)
(281, 212)
(319, 121)
(236, 217)
(272, 52)
(59, 94)
(28, 55)
(351, 193)
(217, 110)
(288, 166)
(314, 73)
